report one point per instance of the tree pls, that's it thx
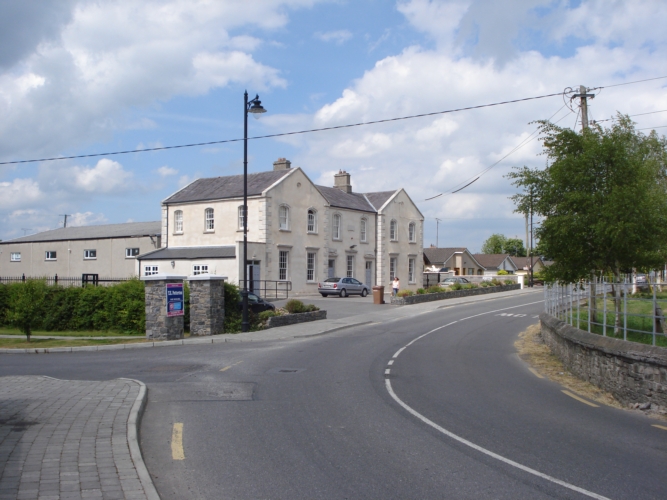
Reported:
(514, 247)
(26, 306)
(602, 197)
(494, 244)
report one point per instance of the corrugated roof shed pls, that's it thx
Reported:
(105, 231)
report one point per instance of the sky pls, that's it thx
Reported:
(82, 77)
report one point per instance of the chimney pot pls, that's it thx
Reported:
(282, 164)
(342, 181)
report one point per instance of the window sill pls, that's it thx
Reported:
(210, 231)
(412, 242)
(313, 232)
(180, 233)
(90, 258)
(284, 230)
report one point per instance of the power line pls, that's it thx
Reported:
(637, 114)
(630, 83)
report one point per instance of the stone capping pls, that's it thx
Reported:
(163, 277)
(430, 297)
(206, 277)
(293, 319)
(632, 372)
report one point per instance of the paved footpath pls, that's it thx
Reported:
(71, 439)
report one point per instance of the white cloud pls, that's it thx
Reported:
(166, 171)
(338, 37)
(106, 177)
(19, 193)
(85, 219)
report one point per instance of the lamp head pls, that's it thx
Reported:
(256, 109)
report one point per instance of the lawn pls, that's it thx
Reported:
(21, 343)
(70, 333)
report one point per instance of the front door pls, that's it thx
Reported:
(369, 273)
(254, 284)
(331, 273)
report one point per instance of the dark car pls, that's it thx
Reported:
(454, 280)
(257, 304)
(342, 287)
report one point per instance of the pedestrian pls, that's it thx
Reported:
(396, 284)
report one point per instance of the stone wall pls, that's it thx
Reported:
(429, 297)
(632, 372)
(207, 305)
(293, 319)
(158, 325)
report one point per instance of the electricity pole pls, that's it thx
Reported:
(437, 223)
(583, 103)
(65, 221)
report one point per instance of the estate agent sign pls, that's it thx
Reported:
(175, 302)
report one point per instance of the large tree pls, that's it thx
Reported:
(498, 243)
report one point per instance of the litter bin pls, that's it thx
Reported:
(378, 295)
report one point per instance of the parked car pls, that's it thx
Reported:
(257, 304)
(641, 282)
(342, 287)
(452, 281)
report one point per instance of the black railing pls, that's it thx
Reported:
(269, 289)
(85, 279)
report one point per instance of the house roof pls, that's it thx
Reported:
(231, 186)
(125, 230)
(379, 199)
(490, 260)
(524, 262)
(340, 199)
(173, 253)
(435, 255)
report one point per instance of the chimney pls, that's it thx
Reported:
(282, 164)
(342, 181)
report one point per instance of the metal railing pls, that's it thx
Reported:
(64, 280)
(430, 279)
(269, 289)
(631, 311)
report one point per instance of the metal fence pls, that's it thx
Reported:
(626, 310)
(269, 289)
(86, 279)
(431, 279)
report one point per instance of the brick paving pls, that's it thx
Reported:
(66, 439)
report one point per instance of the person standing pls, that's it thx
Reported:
(396, 284)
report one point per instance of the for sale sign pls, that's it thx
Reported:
(175, 299)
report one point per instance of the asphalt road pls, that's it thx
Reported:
(458, 415)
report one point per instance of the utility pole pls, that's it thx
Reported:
(583, 103)
(437, 223)
(25, 230)
(65, 221)
(531, 236)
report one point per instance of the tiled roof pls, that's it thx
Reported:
(126, 230)
(231, 186)
(524, 262)
(490, 260)
(171, 253)
(380, 198)
(435, 255)
(339, 198)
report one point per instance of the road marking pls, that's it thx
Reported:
(228, 367)
(535, 372)
(177, 442)
(470, 444)
(659, 427)
(387, 371)
(391, 362)
(574, 396)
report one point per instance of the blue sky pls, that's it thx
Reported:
(80, 77)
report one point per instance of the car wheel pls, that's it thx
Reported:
(343, 293)
(364, 292)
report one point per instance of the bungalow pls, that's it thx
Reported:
(458, 260)
(494, 262)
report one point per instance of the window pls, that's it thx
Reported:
(50, 255)
(210, 220)
(283, 215)
(150, 270)
(15, 257)
(131, 252)
(363, 230)
(178, 221)
(283, 262)
(336, 227)
(411, 270)
(312, 221)
(350, 266)
(393, 230)
(198, 269)
(241, 218)
(412, 232)
(310, 267)
(471, 271)
(90, 254)
(392, 267)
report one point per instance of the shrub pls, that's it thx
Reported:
(495, 282)
(294, 306)
(265, 315)
(405, 293)
(434, 289)
(456, 286)
(27, 305)
(421, 291)
(509, 282)
(311, 308)
(502, 272)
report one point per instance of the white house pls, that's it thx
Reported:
(298, 232)
(458, 260)
(494, 262)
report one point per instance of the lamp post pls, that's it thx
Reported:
(253, 106)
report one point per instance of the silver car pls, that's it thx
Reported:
(453, 281)
(342, 287)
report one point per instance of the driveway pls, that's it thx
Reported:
(338, 308)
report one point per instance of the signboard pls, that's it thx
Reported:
(175, 300)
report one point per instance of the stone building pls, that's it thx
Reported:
(298, 232)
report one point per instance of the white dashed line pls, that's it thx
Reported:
(391, 362)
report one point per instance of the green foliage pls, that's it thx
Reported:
(498, 243)
(265, 315)
(434, 289)
(456, 286)
(502, 272)
(514, 247)
(405, 293)
(509, 282)
(495, 282)
(601, 197)
(294, 306)
(27, 304)
(421, 291)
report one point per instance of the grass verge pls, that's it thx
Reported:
(70, 333)
(44, 343)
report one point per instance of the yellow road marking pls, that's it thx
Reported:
(228, 367)
(534, 372)
(660, 427)
(568, 393)
(177, 442)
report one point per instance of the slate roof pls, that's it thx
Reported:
(524, 262)
(231, 186)
(490, 261)
(340, 199)
(441, 254)
(172, 253)
(126, 230)
(380, 198)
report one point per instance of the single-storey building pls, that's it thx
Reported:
(494, 262)
(459, 260)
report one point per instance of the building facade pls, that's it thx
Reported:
(109, 250)
(298, 232)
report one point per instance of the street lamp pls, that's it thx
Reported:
(253, 106)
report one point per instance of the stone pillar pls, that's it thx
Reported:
(159, 326)
(207, 304)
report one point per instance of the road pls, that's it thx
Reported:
(458, 415)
